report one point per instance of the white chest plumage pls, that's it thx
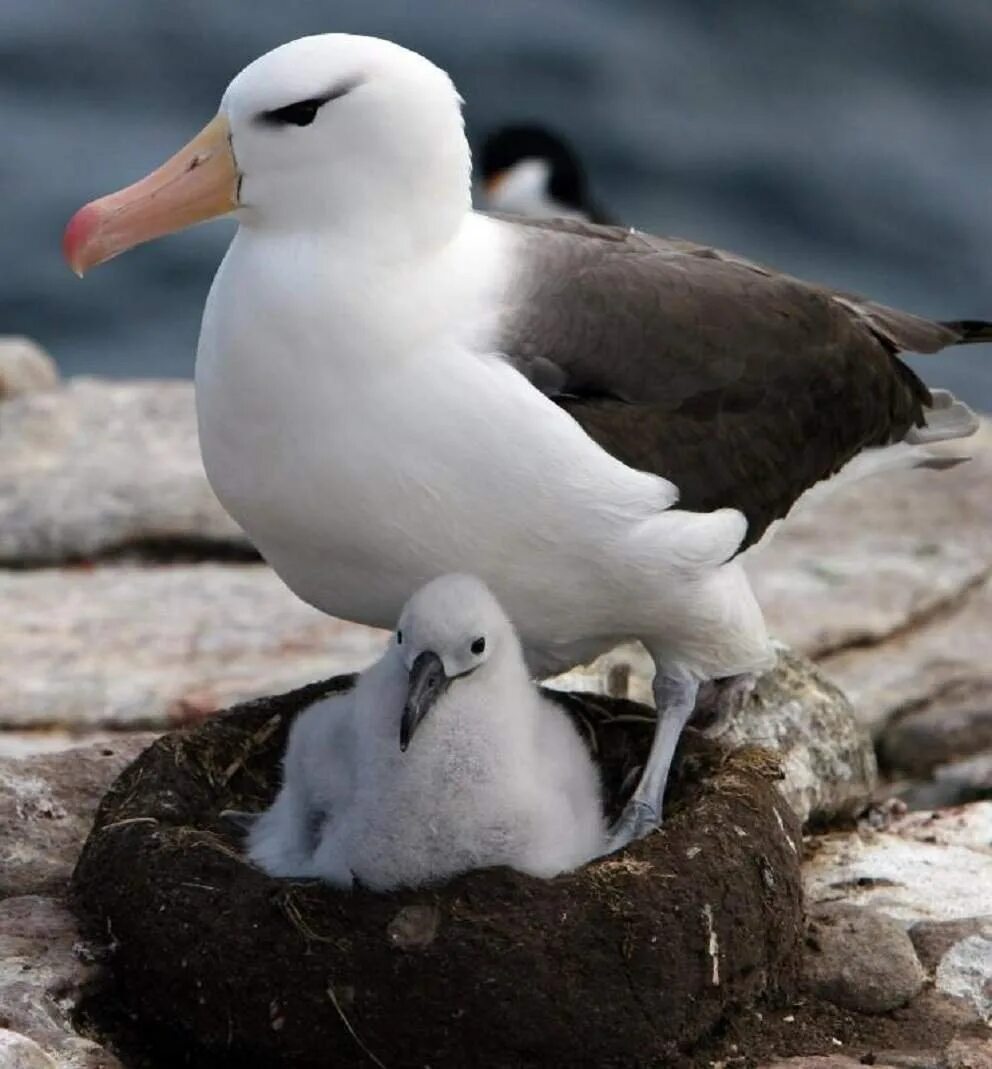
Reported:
(353, 429)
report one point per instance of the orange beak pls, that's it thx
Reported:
(198, 183)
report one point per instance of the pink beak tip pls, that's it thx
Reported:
(77, 233)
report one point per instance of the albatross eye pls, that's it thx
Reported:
(399, 638)
(302, 113)
(479, 646)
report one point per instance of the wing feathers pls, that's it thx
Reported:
(742, 386)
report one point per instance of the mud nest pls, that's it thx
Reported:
(623, 963)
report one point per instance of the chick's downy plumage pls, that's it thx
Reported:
(494, 773)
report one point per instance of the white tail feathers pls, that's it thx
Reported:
(900, 456)
(947, 418)
(693, 541)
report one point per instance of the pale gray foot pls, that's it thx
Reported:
(675, 698)
(720, 701)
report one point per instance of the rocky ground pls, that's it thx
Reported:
(131, 604)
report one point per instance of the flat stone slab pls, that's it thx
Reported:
(940, 665)
(136, 647)
(921, 867)
(47, 803)
(99, 466)
(42, 979)
(30, 743)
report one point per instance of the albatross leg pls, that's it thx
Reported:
(675, 699)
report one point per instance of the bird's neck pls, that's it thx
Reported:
(304, 293)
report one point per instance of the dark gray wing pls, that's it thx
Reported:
(740, 385)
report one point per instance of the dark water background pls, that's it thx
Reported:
(848, 141)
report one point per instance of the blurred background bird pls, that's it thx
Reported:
(526, 169)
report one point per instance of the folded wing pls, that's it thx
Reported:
(741, 385)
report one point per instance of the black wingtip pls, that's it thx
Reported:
(970, 330)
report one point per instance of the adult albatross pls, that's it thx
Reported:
(595, 421)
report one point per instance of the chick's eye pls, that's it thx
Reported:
(479, 646)
(302, 113)
(399, 638)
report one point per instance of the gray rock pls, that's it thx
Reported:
(821, 1061)
(827, 756)
(911, 1059)
(944, 1014)
(126, 646)
(97, 466)
(925, 794)
(19, 1052)
(41, 981)
(940, 733)
(955, 784)
(933, 939)
(968, 1053)
(25, 368)
(47, 804)
(964, 826)
(860, 960)
(937, 664)
(965, 971)
(971, 779)
(921, 866)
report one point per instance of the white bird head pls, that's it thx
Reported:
(451, 629)
(350, 136)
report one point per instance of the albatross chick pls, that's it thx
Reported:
(443, 758)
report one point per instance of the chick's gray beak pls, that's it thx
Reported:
(427, 683)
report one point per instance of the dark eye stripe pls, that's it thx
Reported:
(303, 112)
